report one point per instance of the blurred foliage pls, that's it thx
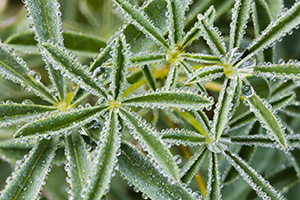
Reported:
(97, 19)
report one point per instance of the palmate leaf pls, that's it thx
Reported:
(165, 99)
(175, 13)
(206, 74)
(276, 103)
(184, 137)
(156, 11)
(46, 23)
(264, 113)
(213, 185)
(59, 123)
(139, 171)
(192, 166)
(141, 21)
(79, 43)
(120, 66)
(262, 187)
(289, 70)
(106, 158)
(275, 31)
(78, 164)
(14, 68)
(63, 60)
(22, 113)
(240, 15)
(29, 176)
(150, 142)
(223, 107)
(212, 36)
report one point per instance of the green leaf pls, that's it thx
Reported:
(100, 60)
(263, 140)
(276, 30)
(246, 153)
(62, 59)
(292, 109)
(156, 11)
(206, 74)
(164, 99)
(284, 71)
(262, 187)
(60, 122)
(253, 140)
(172, 77)
(260, 85)
(265, 114)
(14, 68)
(146, 59)
(105, 159)
(212, 36)
(275, 7)
(184, 137)
(21, 113)
(13, 151)
(195, 32)
(261, 19)
(28, 178)
(223, 107)
(46, 23)
(139, 171)
(79, 43)
(197, 7)
(295, 160)
(78, 164)
(240, 15)
(82, 43)
(192, 166)
(283, 87)
(56, 183)
(236, 97)
(213, 185)
(152, 143)
(189, 70)
(175, 14)
(201, 58)
(149, 77)
(276, 103)
(46, 20)
(282, 180)
(141, 21)
(120, 66)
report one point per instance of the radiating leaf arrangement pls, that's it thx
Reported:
(159, 86)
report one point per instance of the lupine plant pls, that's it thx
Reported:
(169, 103)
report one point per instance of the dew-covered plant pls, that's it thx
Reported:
(169, 105)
